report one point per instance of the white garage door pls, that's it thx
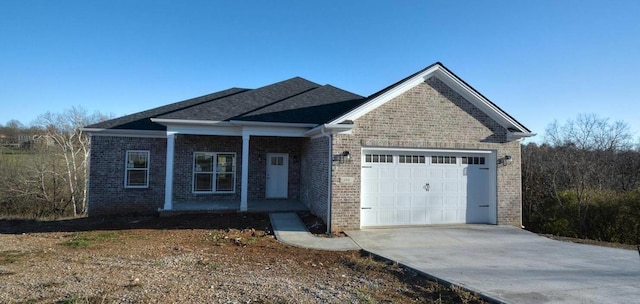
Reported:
(427, 187)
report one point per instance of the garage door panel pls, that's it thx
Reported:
(403, 202)
(404, 173)
(419, 173)
(404, 187)
(386, 186)
(386, 202)
(436, 172)
(451, 173)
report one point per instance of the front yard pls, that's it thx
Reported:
(230, 258)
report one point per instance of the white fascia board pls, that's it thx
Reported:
(329, 129)
(518, 135)
(275, 131)
(237, 130)
(125, 133)
(386, 96)
(205, 130)
(478, 100)
(452, 81)
(271, 124)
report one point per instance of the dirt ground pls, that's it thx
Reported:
(228, 258)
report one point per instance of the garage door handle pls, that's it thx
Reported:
(426, 187)
(483, 206)
(366, 208)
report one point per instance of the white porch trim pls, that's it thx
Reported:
(245, 172)
(168, 180)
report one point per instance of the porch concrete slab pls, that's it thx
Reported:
(289, 229)
(511, 265)
(234, 206)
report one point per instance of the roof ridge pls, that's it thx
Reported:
(278, 101)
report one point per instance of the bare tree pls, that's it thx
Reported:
(64, 132)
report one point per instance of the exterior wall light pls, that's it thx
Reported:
(506, 160)
(342, 157)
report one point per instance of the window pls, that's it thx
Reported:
(443, 160)
(411, 159)
(137, 169)
(473, 160)
(378, 158)
(214, 172)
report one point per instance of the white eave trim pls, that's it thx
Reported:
(272, 124)
(329, 129)
(518, 135)
(386, 96)
(453, 82)
(478, 100)
(125, 133)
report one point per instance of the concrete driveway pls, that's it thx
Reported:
(510, 264)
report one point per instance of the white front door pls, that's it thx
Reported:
(277, 175)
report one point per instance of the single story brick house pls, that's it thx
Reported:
(429, 149)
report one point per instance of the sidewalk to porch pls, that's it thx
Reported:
(289, 229)
(234, 206)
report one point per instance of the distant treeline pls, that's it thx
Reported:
(583, 181)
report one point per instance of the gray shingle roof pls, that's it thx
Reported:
(316, 106)
(236, 105)
(142, 120)
(296, 100)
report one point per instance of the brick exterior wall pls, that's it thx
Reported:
(259, 146)
(185, 145)
(430, 115)
(314, 175)
(106, 192)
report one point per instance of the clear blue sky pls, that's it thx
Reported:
(538, 60)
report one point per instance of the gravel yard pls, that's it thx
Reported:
(230, 258)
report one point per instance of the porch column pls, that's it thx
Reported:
(168, 180)
(245, 171)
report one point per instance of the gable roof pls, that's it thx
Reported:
(515, 129)
(300, 101)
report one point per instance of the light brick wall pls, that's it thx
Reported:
(430, 115)
(106, 192)
(314, 186)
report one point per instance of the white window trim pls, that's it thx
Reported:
(213, 173)
(126, 169)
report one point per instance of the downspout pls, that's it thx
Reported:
(329, 137)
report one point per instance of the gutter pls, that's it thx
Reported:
(330, 173)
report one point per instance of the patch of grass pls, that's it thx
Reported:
(80, 240)
(11, 256)
(362, 263)
(208, 264)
